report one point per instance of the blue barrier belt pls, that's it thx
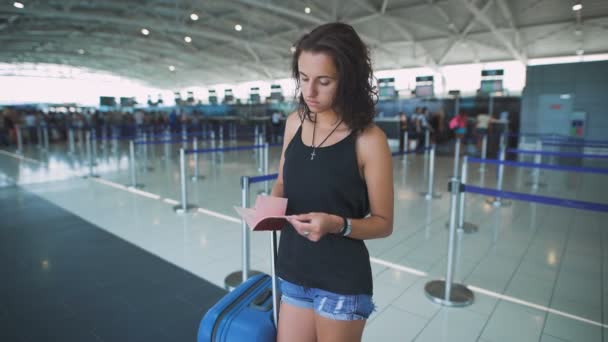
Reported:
(191, 134)
(570, 144)
(157, 142)
(117, 138)
(237, 148)
(574, 140)
(398, 153)
(537, 199)
(560, 154)
(540, 166)
(263, 178)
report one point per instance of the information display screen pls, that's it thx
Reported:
(127, 101)
(491, 86)
(424, 90)
(107, 101)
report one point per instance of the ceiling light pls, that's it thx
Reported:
(187, 39)
(580, 52)
(194, 16)
(292, 49)
(577, 7)
(145, 32)
(18, 4)
(80, 51)
(307, 10)
(171, 68)
(238, 27)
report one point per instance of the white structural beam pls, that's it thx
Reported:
(137, 23)
(8, 22)
(257, 60)
(442, 13)
(483, 18)
(507, 13)
(283, 11)
(462, 35)
(408, 36)
(383, 7)
(392, 21)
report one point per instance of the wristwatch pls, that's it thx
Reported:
(348, 227)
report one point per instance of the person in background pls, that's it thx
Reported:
(403, 127)
(3, 129)
(30, 124)
(459, 125)
(482, 124)
(276, 124)
(422, 126)
(336, 173)
(11, 126)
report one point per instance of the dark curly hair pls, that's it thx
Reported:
(356, 96)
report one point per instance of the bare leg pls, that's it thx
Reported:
(329, 330)
(296, 324)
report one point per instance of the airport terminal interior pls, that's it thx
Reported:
(130, 131)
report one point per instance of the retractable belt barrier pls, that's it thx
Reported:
(572, 144)
(568, 203)
(559, 154)
(541, 166)
(235, 278)
(184, 207)
(448, 293)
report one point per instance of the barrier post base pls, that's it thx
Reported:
(234, 279)
(197, 178)
(136, 186)
(498, 202)
(460, 295)
(467, 227)
(180, 210)
(430, 196)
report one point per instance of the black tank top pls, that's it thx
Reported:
(329, 184)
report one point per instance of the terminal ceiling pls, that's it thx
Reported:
(106, 35)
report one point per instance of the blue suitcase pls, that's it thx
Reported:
(245, 314)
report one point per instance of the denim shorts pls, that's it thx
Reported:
(327, 304)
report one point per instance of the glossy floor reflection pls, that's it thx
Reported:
(537, 271)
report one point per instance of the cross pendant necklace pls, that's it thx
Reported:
(314, 148)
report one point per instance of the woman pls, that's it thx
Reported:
(459, 125)
(336, 172)
(402, 129)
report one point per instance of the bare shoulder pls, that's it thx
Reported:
(372, 145)
(372, 136)
(372, 149)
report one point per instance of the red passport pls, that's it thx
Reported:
(267, 214)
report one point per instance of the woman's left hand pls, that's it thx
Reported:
(314, 225)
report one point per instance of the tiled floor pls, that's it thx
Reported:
(537, 271)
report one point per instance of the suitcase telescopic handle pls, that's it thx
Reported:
(273, 256)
